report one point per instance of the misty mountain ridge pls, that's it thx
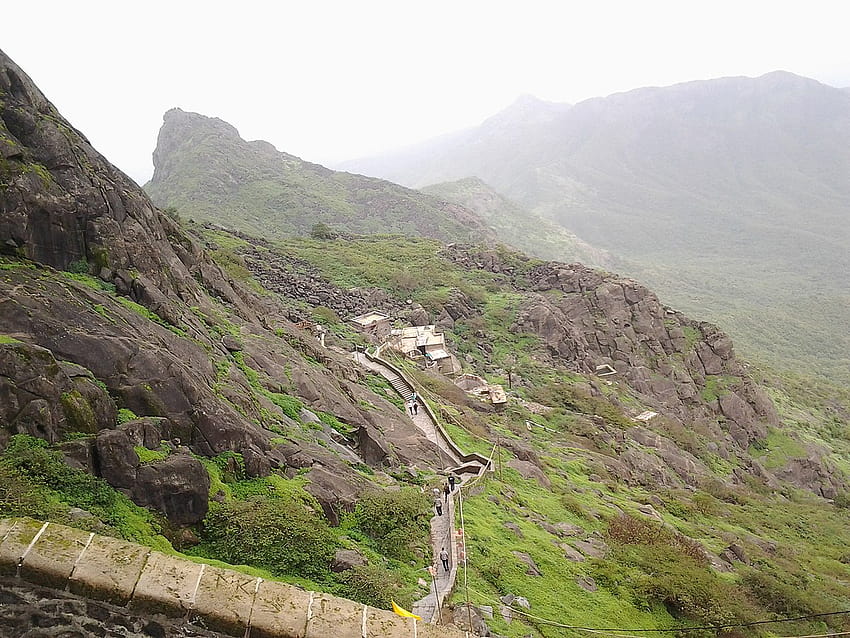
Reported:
(205, 170)
(526, 231)
(729, 196)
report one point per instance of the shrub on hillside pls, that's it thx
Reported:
(325, 315)
(397, 521)
(722, 491)
(690, 591)
(782, 592)
(842, 500)
(705, 503)
(628, 530)
(35, 481)
(371, 585)
(321, 230)
(674, 571)
(20, 497)
(573, 505)
(284, 537)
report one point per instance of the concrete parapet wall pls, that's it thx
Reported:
(227, 601)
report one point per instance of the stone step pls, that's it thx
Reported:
(401, 387)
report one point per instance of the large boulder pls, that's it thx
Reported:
(345, 559)
(116, 459)
(177, 486)
(469, 618)
(45, 398)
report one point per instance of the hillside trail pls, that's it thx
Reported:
(442, 527)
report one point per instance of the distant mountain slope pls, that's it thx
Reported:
(524, 230)
(519, 131)
(729, 196)
(205, 170)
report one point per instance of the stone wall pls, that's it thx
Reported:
(32, 611)
(146, 583)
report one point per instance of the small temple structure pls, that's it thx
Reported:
(375, 325)
(424, 342)
(478, 387)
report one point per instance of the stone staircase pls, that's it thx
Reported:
(466, 467)
(401, 386)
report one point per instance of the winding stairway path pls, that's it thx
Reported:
(423, 420)
(465, 466)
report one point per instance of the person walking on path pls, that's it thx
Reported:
(438, 505)
(446, 491)
(452, 479)
(415, 407)
(444, 556)
(409, 406)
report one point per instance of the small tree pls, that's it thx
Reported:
(323, 231)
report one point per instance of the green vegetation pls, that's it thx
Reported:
(149, 315)
(402, 265)
(372, 585)
(125, 415)
(289, 405)
(150, 456)
(396, 521)
(574, 397)
(517, 226)
(323, 231)
(35, 481)
(78, 412)
(272, 524)
(653, 575)
(11, 169)
(778, 449)
(84, 278)
(232, 264)
(716, 386)
(286, 538)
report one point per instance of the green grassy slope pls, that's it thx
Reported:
(651, 576)
(517, 227)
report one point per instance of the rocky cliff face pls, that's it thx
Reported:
(151, 325)
(684, 369)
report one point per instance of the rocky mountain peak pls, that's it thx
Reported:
(207, 171)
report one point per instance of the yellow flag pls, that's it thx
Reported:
(404, 612)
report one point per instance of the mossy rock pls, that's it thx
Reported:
(79, 415)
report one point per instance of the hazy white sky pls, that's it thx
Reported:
(332, 80)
